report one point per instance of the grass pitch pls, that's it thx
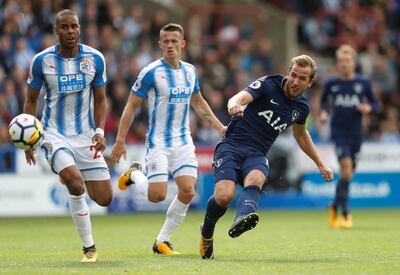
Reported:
(284, 242)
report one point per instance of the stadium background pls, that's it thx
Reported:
(231, 43)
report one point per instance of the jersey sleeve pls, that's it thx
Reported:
(100, 78)
(196, 82)
(303, 116)
(324, 96)
(258, 88)
(143, 83)
(35, 79)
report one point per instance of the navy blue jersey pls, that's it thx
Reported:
(344, 96)
(268, 115)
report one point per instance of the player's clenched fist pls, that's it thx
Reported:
(326, 173)
(236, 110)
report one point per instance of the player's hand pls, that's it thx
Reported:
(30, 156)
(118, 151)
(236, 110)
(99, 142)
(364, 108)
(323, 117)
(326, 173)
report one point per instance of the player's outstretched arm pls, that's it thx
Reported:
(203, 110)
(125, 123)
(100, 111)
(237, 102)
(30, 107)
(306, 144)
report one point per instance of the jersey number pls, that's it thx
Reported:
(97, 154)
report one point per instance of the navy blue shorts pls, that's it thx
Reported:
(347, 146)
(234, 162)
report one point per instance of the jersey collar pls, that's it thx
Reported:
(79, 54)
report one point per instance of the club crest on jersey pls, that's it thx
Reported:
(358, 88)
(189, 77)
(153, 166)
(255, 85)
(218, 162)
(86, 66)
(295, 115)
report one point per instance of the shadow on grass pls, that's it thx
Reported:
(263, 259)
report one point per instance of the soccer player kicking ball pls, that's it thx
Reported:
(74, 78)
(352, 96)
(170, 86)
(260, 113)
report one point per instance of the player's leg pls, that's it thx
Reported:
(176, 213)
(100, 191)
(183, 164)
(62, 161)
(343, 153)
(216, 207)
(226, 165)
(153, 186)
(78, 206)
(342, 189)
(254, 171)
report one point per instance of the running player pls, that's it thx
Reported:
(351, 96)
(73, 76)
(170, 87)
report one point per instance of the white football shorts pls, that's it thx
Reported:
(64, 151)
(178, 161)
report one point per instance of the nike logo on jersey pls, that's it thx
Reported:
(273, 102)
(53, 67)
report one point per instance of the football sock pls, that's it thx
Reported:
(248, 201)
(80, 214)
(342, 196)
(141, 182)
(175, 215)
(213, 213)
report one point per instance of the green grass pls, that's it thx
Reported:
(284, 242)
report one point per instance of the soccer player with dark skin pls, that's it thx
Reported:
(351, 97)
(260, 113)
(73, 76)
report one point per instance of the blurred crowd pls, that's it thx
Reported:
(127, 35)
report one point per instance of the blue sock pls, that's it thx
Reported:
(342, 196)
(248, 201)
(213, 213)
(345, 199)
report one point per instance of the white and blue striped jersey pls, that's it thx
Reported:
(167, 91)
(68, 83)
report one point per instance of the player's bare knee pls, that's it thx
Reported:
(104, 201)
(156, 196)
(255, 178)
(74, 184)
(186, 194)
(223, 199)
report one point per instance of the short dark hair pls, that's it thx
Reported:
(173, 27)
(65, 12)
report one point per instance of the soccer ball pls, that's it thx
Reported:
(25, 131)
